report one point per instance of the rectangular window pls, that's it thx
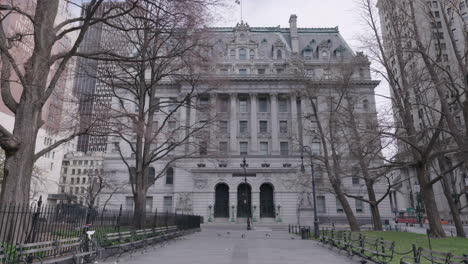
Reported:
(321, 206)
(284, 148)
(283, 127)
(149, 204)
(355, 180)
(77, 180)
(262, 105)
(203, 148)
(261, 71)
(263, 126)
(171, 125)
(73, 171)
(223, 127)
(223, 71)
(243, 105)
(339, 207)
(243, 127)
(72, 180)
(167, 204)
(359, 205)
(243, 71)
(224, 105)
(279, 71)
(264, 148)
(315, 147)
(243, 146)
(283, 105)
(223, 147)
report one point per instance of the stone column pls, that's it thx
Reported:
(253, 123)
(305, 122)
(183, 120)
(192, 122)
(213, 143)
(294, 123)
(274, 124)
(233, 124)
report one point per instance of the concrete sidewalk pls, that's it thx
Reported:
(224, 245)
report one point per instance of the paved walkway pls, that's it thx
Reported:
(232, 245)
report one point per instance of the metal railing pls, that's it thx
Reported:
(25, 224)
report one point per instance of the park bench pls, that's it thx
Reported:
(55, 251)
(129, 240)
(374, 249)
(435, 257)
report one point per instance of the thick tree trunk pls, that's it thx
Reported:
(139, 213)
(428, 197)
(374, 207)
(353, 224)
(19, 163)
(452, 205)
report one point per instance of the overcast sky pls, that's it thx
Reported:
(310, 13)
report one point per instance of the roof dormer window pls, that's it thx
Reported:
(252, 54)
(307, 54)
(325, 54)
(279, 54)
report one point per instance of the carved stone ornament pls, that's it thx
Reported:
(200, 183)
(288, 183)
(184, 202)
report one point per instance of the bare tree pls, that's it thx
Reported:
(421, 140)
(151, 72)
(36, 73)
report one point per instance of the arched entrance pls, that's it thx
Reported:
(244, 199)
(267, 204)
(221, 208)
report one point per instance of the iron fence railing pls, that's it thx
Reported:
(24, 223)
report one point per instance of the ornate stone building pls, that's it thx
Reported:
(260, 116)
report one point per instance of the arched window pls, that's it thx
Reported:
(170, 176)
(279, 54)
(252, 54)
(365, 104)
(242, 54)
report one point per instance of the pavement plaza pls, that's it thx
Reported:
(230, 244)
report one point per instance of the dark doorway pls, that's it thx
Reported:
(244, 195)
(221, 208)
(267, 204)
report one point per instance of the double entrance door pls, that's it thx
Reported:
(244, 201)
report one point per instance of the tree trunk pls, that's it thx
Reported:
(353, 224)
(452, 205)
(428, 197)
(374, 207)
(139, 213)
(19, 163)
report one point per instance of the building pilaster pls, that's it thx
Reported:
(274, 124)
(233, 125)
(253, 123)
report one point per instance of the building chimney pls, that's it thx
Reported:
(294, 35)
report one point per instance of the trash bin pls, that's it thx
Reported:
(305, 233)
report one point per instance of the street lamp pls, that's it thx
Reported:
(246, 200)
(316, 221)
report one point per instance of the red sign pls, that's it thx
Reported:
(407, 220)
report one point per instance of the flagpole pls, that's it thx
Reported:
(242, 18)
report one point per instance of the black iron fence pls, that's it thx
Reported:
(21, 224)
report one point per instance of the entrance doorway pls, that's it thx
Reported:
(221, 208)
(267, 204)
(244, 199)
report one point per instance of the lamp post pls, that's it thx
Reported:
(244, 166)
(316, 221)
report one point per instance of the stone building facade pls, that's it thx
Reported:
(260, 117)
